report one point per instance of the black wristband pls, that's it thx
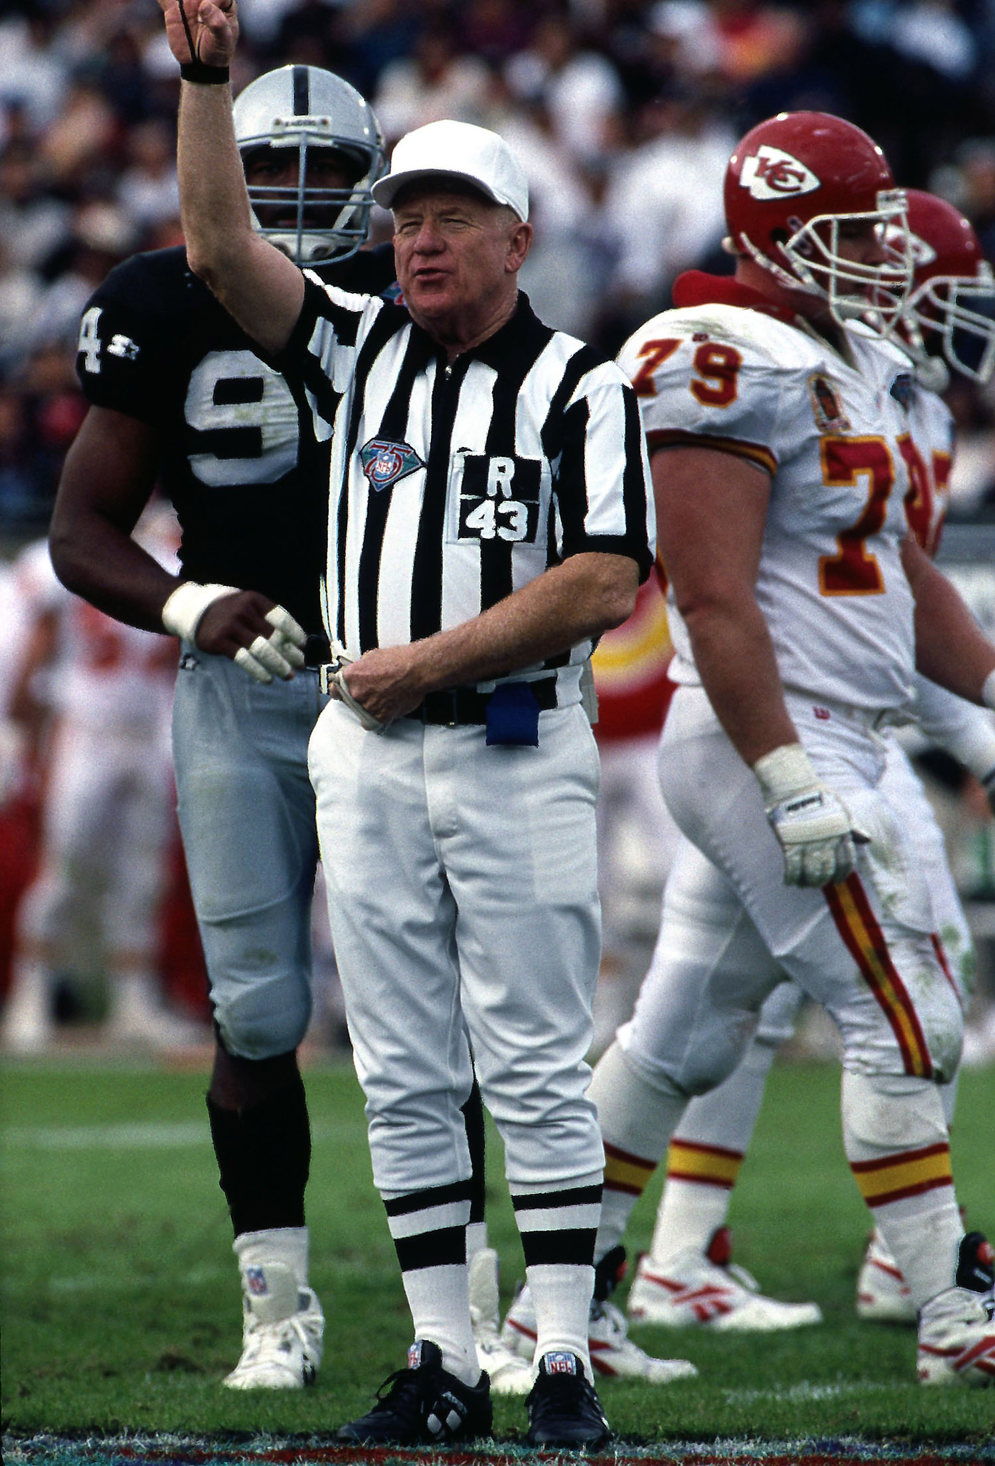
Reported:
(205, 75)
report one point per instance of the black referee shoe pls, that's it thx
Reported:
(423, 1405)
(563, 1407)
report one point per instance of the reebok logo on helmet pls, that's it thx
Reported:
(770, 173)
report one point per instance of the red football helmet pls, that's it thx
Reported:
(952, 276)
(794, 185)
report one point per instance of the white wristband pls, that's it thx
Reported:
(184, 609)
(988, 689)
(783, 772)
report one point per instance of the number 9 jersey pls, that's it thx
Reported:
(245, 469)
(728, 370)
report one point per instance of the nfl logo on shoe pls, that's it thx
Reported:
(560, 1364)
(255, 1281)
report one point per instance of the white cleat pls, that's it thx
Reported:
(612, 1352)
(510, 1373)
(882, 1293)
(957, 1327)
(692, 1289)
(282, 1334)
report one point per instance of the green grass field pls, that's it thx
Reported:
(120, 1306)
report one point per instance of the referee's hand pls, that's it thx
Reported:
(384, 683)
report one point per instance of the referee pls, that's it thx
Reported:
(488, 520)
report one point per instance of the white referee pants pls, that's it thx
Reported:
(462, 893)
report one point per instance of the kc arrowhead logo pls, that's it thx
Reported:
(770, 173)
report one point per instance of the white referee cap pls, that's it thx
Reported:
(457, 150)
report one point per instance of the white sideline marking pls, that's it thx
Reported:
(807, 1390)
(131, 1135)
(141, 1135)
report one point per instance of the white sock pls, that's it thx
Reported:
(637, 1120)
(561, 1295)
(286, 1245)
(909, 1189)
(439, 1300)
(705, 1156)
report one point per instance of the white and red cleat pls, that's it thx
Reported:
(957, 1327)
(882, 1293)
(708, 1290)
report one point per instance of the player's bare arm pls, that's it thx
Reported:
(951, 648)
(585, 596)
(258, 285)
(107, 479)
(710, 510)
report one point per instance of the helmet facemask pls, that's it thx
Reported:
(942, 312)
(851, 288)
(314, 223)
(304, 113)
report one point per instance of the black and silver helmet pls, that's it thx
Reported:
(304, 108)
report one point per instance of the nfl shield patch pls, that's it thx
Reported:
(385, 462)
(255, 1281)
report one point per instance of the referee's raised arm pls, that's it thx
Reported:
(257, 284)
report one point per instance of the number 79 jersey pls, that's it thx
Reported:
(835, 439)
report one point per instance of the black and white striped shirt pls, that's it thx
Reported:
(453, 486)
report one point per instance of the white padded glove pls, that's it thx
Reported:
(811, 822)
(277, 654)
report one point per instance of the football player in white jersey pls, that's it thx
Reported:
(101, 694)
(801, 609)
(687, 1277)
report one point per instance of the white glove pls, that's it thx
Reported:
(335, 679)
(811, 822)
(278, 653)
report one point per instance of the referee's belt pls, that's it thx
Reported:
(451, 707)
(316, 651)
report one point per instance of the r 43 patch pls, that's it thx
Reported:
(499, 498)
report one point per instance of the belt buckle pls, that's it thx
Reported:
(453, 719)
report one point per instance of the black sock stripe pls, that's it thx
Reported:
(402, 1206)
(573, 1246)
(540, 1200)
(442, 1248)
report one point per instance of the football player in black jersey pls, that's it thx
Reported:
(179, 398)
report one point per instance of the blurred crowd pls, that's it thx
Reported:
(623, 112)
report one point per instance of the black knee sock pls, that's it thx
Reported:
(264, 1157)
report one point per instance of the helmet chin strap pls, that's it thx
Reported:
(783, 277)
